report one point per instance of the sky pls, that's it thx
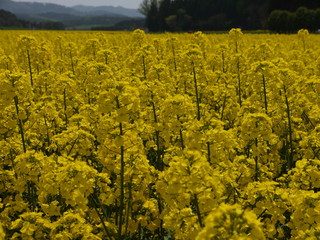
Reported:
(123, 3)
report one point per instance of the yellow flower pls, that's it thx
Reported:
(28, 228)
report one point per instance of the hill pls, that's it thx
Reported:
(110, 10)
(79, 10)
(34, 7)
(77, 17)
(9, 20)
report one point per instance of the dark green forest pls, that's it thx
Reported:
(205, 15)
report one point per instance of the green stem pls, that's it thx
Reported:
(223, 106)
(196, 203)
(181, 139)
(129, 209)
(196, 90)
(106, 58)
(30, 67)
(290, 160)
(223, 62)
(94, 50)
(174, 57)
(239, 82)
(65, 106)
(233, 189)
(47, 127)
(60, 49)
(122, 163)
(265, 93)
(20, 123)
(71, 59)
(117, 213)
(31, 195)
(157, 134)
(100, 216)
(144, 67)
(72, 145)
(256, 177)
(162, 236)
(121, 207)
(304, 44)
(209, 152)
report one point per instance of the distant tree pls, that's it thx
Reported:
(152, 19)
(181, 21)
(290, 24)
(285, 21)
(217, 22)
(292, 5)
(251, 14)
(163, 12)
(311, 20)
(306, 18)
(301, 14)
(51, 25)
(162, 15)
(278, 20)
(145, 7)
(317, 18)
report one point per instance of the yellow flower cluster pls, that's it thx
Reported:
(231, 222)
(109, 135)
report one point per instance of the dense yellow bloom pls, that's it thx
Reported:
(123, 135)
(231, 222)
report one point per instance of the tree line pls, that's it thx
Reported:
(9, 20)
(284, 21)
(185, 15)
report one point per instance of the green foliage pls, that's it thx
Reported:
(286, 21)
(177, 15)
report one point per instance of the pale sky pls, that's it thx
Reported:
(123, 3)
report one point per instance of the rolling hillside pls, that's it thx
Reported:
(77, 17)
